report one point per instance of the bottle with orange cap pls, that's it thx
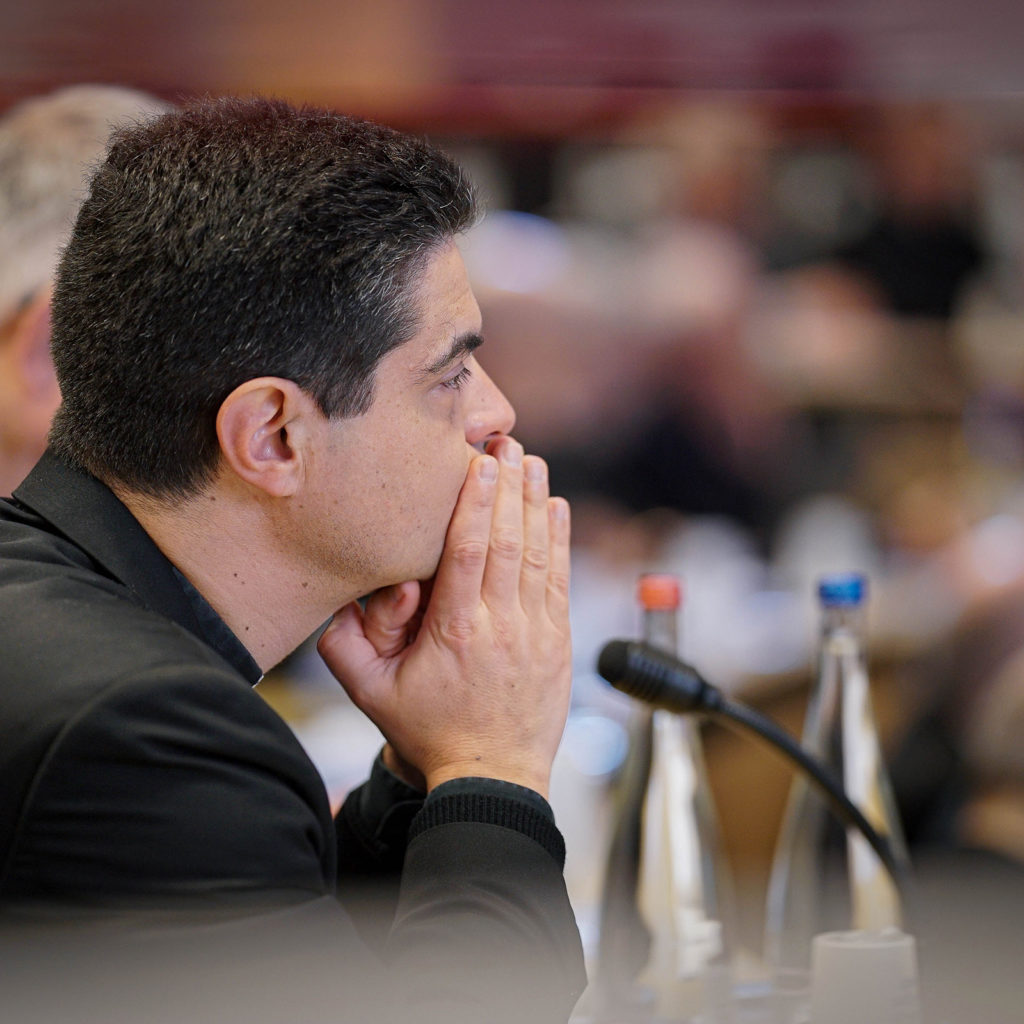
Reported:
(684, 891)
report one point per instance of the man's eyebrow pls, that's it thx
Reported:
(462, 345)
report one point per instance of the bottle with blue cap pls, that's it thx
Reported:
(822, 879)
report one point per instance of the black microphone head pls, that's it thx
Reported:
(655, 677)
(613, 660)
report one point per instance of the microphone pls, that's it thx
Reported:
(656, 678)
(663, 681)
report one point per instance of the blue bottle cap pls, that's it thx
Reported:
(844, 589)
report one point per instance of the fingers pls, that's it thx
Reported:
(347, 653)
(557, 591)
(505, 553)
(508, 542)
(536, 557)
(387, 618)
(456, 588)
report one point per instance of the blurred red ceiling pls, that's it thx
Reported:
(486, 63)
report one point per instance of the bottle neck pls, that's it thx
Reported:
(661, 629)
(841, 655)
(848, 619)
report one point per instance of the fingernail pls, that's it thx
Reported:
(489, 469)
(535, 470)
(512, 453)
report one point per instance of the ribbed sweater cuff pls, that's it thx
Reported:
(447, 808)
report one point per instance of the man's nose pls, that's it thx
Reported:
(490, 413)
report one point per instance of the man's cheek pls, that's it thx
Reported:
(454, 495)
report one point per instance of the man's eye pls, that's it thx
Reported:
(456, 382)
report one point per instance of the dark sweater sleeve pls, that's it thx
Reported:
(466, 900)
(380, 817)
(372, 825)
(484, 925)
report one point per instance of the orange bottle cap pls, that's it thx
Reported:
(659, 592)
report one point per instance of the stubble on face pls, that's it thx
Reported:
(388, 480)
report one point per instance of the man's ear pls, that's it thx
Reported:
(30, 343)
(29, 395)
(264, 428)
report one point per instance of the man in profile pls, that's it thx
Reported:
(272, 415)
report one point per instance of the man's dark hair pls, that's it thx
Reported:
(229, 240)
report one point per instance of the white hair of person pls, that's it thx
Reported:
(49, 146)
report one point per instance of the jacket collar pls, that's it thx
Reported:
(90, 515)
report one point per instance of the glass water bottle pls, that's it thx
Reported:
(684, 893)
(822, 879)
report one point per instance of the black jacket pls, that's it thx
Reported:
(141, 770)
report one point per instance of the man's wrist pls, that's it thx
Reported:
(536, 781)
(402, 770)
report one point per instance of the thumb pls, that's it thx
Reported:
(388, 617)
(350, 656)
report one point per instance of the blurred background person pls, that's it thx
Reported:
(922, 246)
(48, 146)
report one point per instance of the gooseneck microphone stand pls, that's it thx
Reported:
(663, 681)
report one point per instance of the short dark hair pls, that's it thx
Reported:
(229, 240)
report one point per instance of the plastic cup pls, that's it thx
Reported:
(860, 976)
